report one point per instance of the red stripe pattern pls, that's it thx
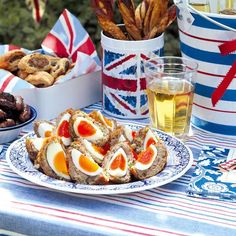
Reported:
(6, 82)
(68, 37)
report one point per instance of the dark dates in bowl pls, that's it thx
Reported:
(14, 115)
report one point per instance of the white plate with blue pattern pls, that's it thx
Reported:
(180, 160)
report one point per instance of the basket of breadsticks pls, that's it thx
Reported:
(126, 47)
(65, 72)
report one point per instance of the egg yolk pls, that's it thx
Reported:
(48, 133)
(99, 149)
(60, 163)
(108, 122)
(134, 134)
(87, 164)
(145, 156)
(63, 129)
(85, 129)
(150, 141)
(118, 162)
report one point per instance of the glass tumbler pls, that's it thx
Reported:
(170, 89)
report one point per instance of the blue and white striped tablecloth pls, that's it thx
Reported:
(29, 209)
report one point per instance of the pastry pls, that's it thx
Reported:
(105, 18)
(10, 60)
(40, 79)
(128, 14)
(22, 74)
(34, 63)
(60, 68)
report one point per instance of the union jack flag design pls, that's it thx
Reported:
(124, 83)
(68, 37)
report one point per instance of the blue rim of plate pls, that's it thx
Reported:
(18, 160)
(32, 118)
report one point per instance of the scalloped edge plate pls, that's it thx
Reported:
(180, 160)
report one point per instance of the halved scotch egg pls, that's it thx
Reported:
(121, 134)
(62, 127)
(43, 128)
(83, 169)
(99, 117)
(52, 159)
(33, 146)
(117, 161)
(96, 152)
(149, 162)
(83, 126)
(144, 138)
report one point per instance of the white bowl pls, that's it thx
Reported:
(8, 134)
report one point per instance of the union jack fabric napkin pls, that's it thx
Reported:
(209, 179)
(67, 38)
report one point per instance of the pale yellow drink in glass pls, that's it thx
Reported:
(170, 105)
(170, 91)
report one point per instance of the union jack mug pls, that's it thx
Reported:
(123, 78)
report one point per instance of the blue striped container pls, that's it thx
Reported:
(199, 41)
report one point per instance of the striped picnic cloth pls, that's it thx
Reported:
(30, 209)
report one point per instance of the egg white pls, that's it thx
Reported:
(122, 138)
(66, 141)
(52, 149)
(97, 135)
(37, 143)
(128, 133)
(76, 154)
(43, 128)
(141, 166)
(104, 122)
(90, 148)
(149, 135)
(118, 172)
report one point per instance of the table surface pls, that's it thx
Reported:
(26, 208)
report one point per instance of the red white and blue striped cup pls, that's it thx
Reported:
(123, 75)
(200, 35)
